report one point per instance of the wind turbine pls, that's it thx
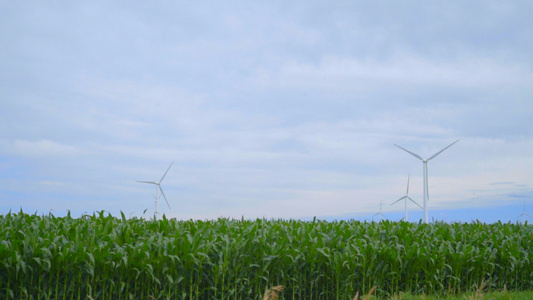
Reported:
(524, 214)
(157, 189)
(425, 174)
(379, 213)
(406, 197)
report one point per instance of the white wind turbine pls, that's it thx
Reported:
(524, 214)
(381, 215)
(425, 175)
(157, 189)
(406, 197)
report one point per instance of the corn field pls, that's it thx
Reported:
(105, 257)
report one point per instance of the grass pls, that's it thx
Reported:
(273, 294)
(478, 294)
(470, 296)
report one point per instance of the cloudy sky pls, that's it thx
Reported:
(277, 109)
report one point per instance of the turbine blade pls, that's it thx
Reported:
(415, 202)
(150, 182)
(167, 171)
(161, 189)
(434, 155)
(398, 200)
(412, 153)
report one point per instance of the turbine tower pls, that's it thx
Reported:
(406, 197)
(157, 190)
(425, 174)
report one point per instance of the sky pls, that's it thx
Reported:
(269, 109)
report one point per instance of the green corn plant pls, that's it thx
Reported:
(49, 257)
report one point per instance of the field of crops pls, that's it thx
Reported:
(104, 257)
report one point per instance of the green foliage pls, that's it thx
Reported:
(48, 257)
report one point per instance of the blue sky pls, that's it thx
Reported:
(278, 110)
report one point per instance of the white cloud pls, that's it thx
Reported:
(336, 73)
(43, 148)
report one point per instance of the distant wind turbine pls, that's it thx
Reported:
(406, 197)
(380, 214)
(524, 214)
(425, 174)
(157, 189)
